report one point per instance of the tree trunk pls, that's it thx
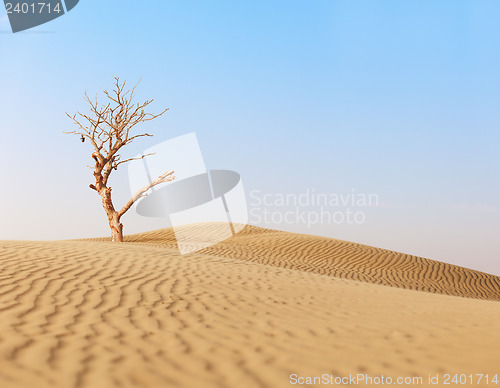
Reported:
(113, 218)
(116, 228)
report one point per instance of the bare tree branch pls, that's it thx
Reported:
(117, 163)
(166, 177)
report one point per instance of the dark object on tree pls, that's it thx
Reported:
(82, 139)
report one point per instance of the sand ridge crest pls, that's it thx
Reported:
(342, 259)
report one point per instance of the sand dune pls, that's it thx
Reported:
(343, 259)
(245, 313)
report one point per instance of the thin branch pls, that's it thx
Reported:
(129, 160)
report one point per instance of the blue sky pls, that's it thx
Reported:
(395, 98)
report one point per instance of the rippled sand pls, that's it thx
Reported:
(247, 312)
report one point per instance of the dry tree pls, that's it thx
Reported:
(108, 128)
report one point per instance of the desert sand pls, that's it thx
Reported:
(247, 312)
